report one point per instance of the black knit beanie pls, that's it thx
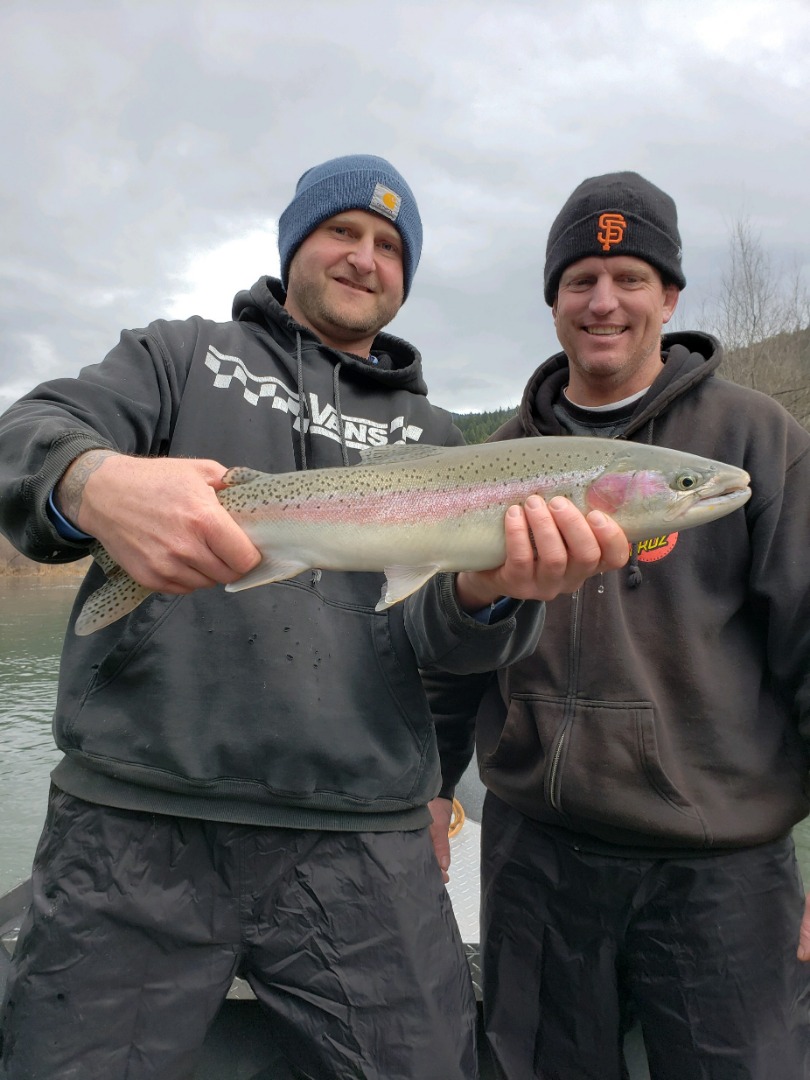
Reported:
(615, 214)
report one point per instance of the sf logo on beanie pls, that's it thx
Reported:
(611, 230)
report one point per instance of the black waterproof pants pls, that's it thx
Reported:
(140, 922)
(701, 951)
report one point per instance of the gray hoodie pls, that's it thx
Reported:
(291, 704)
(667, 705)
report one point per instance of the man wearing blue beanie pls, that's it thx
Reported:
(245, 782)
(349, 243)
(355, 182)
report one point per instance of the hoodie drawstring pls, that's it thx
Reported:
(302, 400)
(303, 411)
(633, 569)
(341, 425)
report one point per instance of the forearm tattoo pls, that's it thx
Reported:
(69, 490)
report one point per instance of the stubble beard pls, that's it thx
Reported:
(637, 362)
(312, 301)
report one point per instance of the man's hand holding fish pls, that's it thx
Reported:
(158, 518)
(550, 549)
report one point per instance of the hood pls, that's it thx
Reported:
(690, 357)
(399, 364)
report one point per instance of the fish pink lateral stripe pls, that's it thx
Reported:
(398, 507)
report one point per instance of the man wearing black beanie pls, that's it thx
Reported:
(646, 765)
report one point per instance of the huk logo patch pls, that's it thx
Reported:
(656, 548)
(611, 230)
(386, 202)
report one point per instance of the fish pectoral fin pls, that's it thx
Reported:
(117, 597)
(269, 570)
(401, 581)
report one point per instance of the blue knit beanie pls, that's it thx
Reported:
(354, 182)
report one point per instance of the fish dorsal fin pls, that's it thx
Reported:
(397, 452)
(401, 581)
(240, 474)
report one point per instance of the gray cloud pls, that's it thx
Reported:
(137, 135)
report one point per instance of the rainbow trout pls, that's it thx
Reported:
(411, 511)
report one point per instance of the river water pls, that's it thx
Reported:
(33, 615)
(32, 622)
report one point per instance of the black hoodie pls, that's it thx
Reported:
(294, 704)
(670, 712)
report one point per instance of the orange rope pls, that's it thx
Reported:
(457, 818)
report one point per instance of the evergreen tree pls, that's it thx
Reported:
(477, 427)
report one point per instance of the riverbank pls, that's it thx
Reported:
(13, 564)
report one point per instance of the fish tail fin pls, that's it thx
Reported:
(117, 597)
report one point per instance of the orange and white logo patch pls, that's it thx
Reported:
(657, 547)
(611, 230)
(386, 202)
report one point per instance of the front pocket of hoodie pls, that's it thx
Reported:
(274, 693)
(603, 761)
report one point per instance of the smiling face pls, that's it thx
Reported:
(346, 280)
(609, 313)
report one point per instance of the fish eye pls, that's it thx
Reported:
(686, 481)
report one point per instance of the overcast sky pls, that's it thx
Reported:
(148, 149)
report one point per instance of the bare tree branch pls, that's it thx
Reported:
(762, 317)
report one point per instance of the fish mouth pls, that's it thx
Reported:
(733, 498)
(727, 493)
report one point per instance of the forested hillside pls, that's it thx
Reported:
(778, 366)
(477, 427)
